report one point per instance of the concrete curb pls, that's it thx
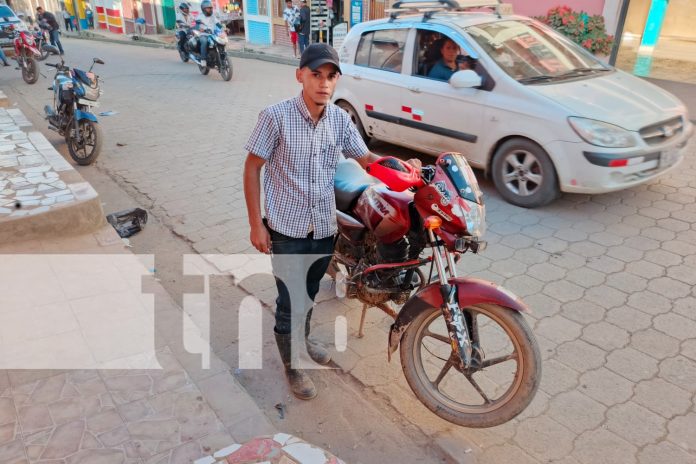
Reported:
(235, 53)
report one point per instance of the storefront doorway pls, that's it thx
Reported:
(659, 40)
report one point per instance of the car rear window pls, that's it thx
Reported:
(382, 49)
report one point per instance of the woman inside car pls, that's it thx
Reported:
(446, 65)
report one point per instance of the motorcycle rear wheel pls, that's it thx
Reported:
(466, 401)
(43, 53)
(85, 152)
(30, 70)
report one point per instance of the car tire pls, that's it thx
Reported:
(355, 117)
(523, 174)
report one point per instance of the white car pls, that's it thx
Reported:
(535, 111)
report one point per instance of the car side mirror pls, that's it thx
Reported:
(465, 79)
(52, 49)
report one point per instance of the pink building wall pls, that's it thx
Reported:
(540, 7)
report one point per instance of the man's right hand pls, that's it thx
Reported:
(261, 239)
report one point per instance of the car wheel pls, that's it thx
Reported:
(524, 174)
(355, 118)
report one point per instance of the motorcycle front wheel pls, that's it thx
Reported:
(505, 372)
(85, 151)
(226, 68)
(204, 70)
(184, 56)
(30, 70)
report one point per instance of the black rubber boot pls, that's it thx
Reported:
(315, 350)
(300, 383)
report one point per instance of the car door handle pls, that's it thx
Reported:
(414, 89)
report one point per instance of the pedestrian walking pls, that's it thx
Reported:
(51, 25)
(299, 143)
(67, 17)
(291, 15)
(3, 58)
(305, 26)
(89, 15)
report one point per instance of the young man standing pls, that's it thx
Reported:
(299, 142)
(305, 26)
(51, 25)
(291, 15)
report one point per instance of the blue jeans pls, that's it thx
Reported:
(55, 40)
(289, 265)
(204, 46)
(303, 39)
(2, 56)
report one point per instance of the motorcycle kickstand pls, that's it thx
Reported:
(361, 330)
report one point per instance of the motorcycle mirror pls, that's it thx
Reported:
(52, 49)
(98, 61)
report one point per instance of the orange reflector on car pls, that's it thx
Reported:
(433, 222)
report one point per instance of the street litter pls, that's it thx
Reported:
(126, 242)
(128, 222)
(108, 113)
(281, 410)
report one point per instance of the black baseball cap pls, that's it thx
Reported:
(318, 54)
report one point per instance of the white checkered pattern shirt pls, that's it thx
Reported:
(301, 160)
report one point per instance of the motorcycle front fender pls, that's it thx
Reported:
(80, 115)
(470, 292)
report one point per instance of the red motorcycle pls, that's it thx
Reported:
(466, 351)
(26, 54)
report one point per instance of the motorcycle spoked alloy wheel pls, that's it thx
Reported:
(506, 366)
(86, 150)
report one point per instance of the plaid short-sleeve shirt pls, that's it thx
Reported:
(301, 159)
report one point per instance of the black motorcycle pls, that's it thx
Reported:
(217, 56)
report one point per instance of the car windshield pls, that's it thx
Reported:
(6, 13)
(532, 53)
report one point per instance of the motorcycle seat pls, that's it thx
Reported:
(350, 182)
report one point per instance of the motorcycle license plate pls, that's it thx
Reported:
(668, 157)
(82, 101)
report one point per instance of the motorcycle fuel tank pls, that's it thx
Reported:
(384, 212)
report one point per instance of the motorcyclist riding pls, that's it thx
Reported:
(207, 21)
(184, 20)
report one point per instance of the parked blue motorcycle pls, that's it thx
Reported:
(75, 93)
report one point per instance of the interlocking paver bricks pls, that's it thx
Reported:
(629, 319)
(600, 446)
(649, 302)
(664, 452)
(583, 312)
(682, 431)
(680, 371)
(586, 277)
(564, 291)
(606, 296)
(606, 387)
(605, 335)
(580, 355)
(662, 397)
(544, 438)
(558, 329)
(635, 423)
(632, 364)
(655, 344)
(577, 411)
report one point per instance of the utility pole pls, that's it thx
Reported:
(619, 32)
(77, 16)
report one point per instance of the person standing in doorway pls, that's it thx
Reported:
(291, 15)
(299, 143)
(67, 18)
(51, 25)
(305, 26)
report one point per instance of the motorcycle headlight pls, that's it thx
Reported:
(474, 216)
(602, 134)
(221, 39)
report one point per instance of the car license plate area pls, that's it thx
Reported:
(668, 157)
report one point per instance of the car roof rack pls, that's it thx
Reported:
(430, 7)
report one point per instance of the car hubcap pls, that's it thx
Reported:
(522, 173)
